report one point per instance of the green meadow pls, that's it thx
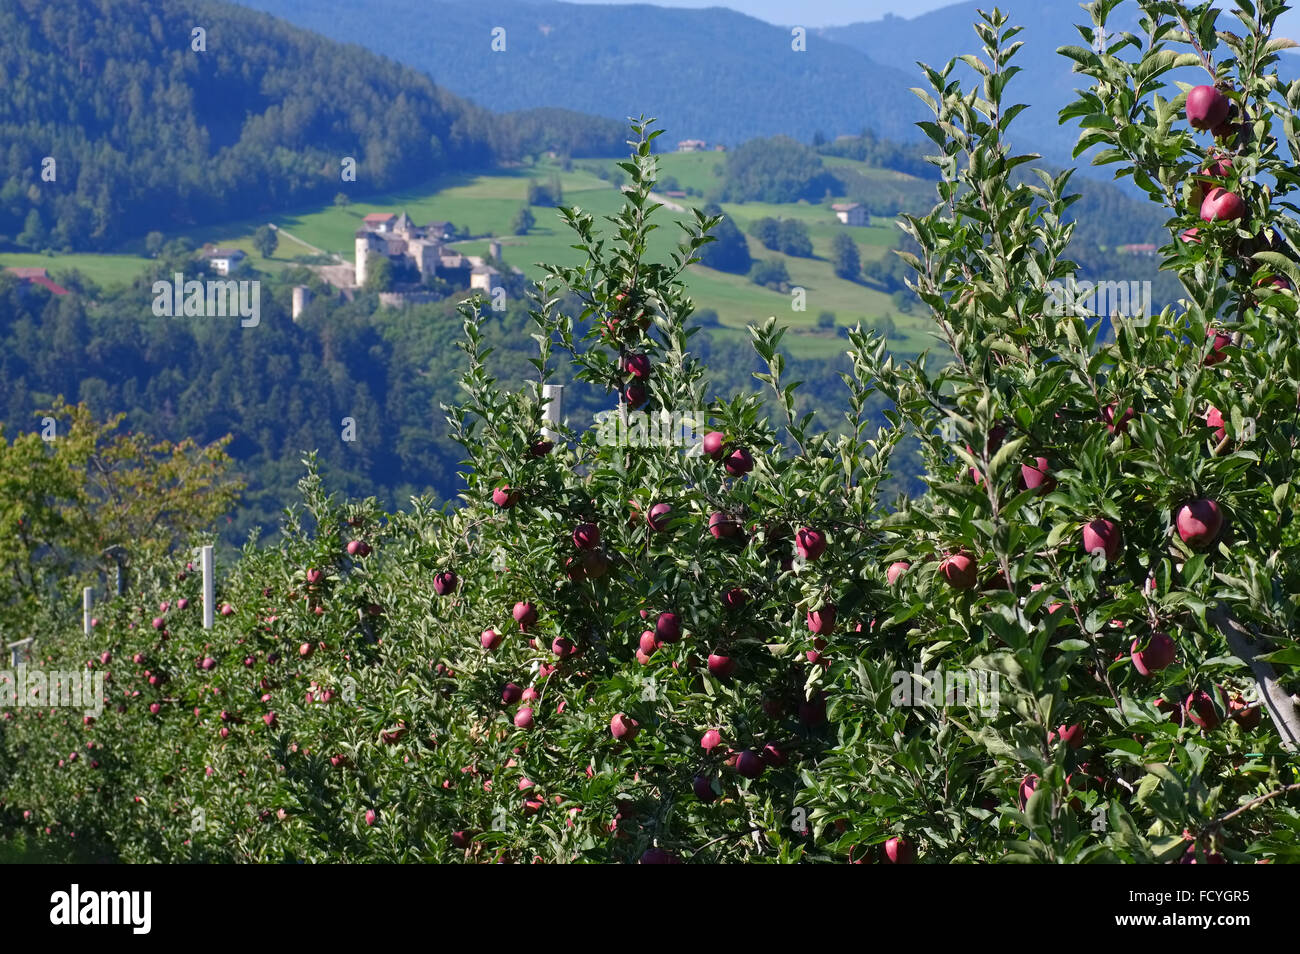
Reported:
(486, 204)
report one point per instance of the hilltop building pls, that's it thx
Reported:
(423, 248)
(225, 260)
(851, 213)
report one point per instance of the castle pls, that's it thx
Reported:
(425, 248)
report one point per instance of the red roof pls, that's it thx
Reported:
(379, 217)
(37, 276)
(46, 283)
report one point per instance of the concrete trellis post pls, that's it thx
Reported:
(209, 585)
(87, 601)
(118, 555)
(553, 412)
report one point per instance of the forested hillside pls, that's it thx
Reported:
(151, 126)
(283, 388)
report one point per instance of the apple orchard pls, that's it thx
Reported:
(668, 654)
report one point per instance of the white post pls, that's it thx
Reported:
(553, 412)
(87, 601)
(209, 585)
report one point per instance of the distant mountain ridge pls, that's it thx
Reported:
(710, 74)
(1046, 83)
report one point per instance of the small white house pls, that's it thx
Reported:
(851, 213)
(225, 260)
(692, 145)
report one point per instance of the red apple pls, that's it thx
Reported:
(703, 786)
(1028, 785)
(1158, 654)
(1221, 341)
(511, 693)
(773, 756)
(750, 764)
(504, 497)
(636, 394)
(1206, 107)
(714, 442)
(896, 570)
(822, 621)
(721, 667)
(1214, 419)
(638, 365)
(623, 727)
(659, 515)
(1244, 714)
(371, 816)
(586, 536)
(541, 448)
(524, 718)
(809, 543)
(159, 622)
(734, 598)
(1105, 536)
(649, 643)
(668, 628)
(1071, 735)
(1200, 708)
(1220, 205)
(1037, 476)
(722, 526)
(358, 548)
(710, 740)
(739, 462)
(1114, 426)
(208, 663)
(900, 851)
(525, 615)
(445, 582)
(959, 571)
(1199, 523)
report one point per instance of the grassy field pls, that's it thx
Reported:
(486, 204)
(106, 270)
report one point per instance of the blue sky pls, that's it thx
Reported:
(813, 13)
(816, 13)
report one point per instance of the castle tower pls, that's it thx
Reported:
(301, 298)
(362, 251)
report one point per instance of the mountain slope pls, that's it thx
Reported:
(148, 133)
(1047, 84)
(710, 74)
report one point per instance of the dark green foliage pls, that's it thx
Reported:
(845, 258)
(729, 252)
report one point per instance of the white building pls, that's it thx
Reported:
(484, 277)
(851, 213)
(225, 260)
